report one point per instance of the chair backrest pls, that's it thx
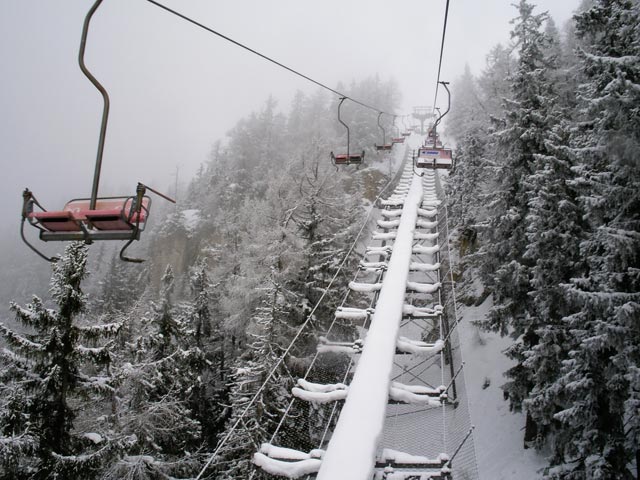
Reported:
(79, 205)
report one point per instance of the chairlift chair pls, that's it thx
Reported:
(435, 156)
(95, 218)
(346, 158)
(385, 146)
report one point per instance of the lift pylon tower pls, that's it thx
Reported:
(422, 114)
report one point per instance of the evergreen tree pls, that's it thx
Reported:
(554, 232)
(155, 385)
(599, 379)
(256, 421)
(49, 363)
(519, 141)
(208, 393)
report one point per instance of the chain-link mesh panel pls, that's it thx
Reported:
(459, 439)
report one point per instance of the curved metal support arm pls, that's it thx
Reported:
(28, 201)
(345, 125)
(105, 110)
(444, 84)
(384, 139)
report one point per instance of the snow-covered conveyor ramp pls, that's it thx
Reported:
(352, 450)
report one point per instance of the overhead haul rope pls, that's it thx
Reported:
(298, 333)
(269, 59)
(444, 32)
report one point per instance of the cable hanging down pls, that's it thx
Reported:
(444, 32)
(269, 59)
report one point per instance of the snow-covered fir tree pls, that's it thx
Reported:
(55, 366)
(599, 380)
(260, 387)
(155, 377)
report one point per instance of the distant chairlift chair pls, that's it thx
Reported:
(435, 156)
(385, 146)
(346, 158)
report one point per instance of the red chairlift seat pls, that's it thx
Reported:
(397, 140)
(347, 159)
(406, 134)
(113, 218)
(385, 147)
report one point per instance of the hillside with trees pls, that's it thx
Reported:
(546, 196)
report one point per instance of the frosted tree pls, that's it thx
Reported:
(208, 392)
(48, 374)
(599, 379)
(520, 139)
(468, 125)
(155, 381)
(554, 232)
(252, 422)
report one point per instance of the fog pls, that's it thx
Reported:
(175, 89)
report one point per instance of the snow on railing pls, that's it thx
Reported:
(319, 393)
(287, 462)
(384, 235)
(426, 250)
(424, 287)
(395, 456)
(424, 267)
(351, 450)
(388, 223)
(364, 287)
(350, 313)
(422, 311)
(327, 346)
(391, 213)
(418, 394)
(426, 224)
(406, 345)
(426, 236)
(430, 213)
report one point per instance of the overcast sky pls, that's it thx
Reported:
(175, 89)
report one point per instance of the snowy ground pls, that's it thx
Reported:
(499, 432)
